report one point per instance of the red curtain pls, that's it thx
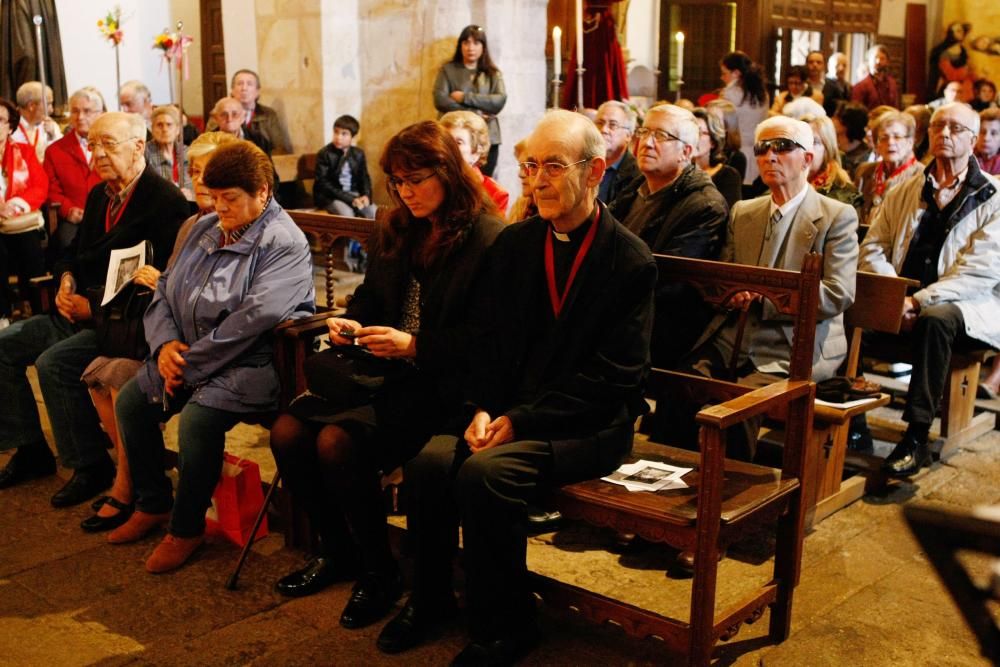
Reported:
(604, 78)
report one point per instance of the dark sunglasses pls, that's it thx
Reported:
(779, 146)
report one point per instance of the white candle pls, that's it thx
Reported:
(557, 52)
(680, 55)
(579, 33)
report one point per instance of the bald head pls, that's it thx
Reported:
(118, 141)
(568, 153)
(954, 129)
(229, 115)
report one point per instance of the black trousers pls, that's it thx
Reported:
(939, 329)
(22, 252)
(488, 493)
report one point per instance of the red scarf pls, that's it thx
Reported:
(558, 300)
(881, 181)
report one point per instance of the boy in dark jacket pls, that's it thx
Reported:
(342, 183)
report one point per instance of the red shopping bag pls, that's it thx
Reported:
(236, 502)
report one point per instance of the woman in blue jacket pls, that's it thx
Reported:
(242, 270)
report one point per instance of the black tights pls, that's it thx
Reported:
(326, 469)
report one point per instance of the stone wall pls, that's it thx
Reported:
(377, 60)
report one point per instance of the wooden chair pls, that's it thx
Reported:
(327, 229)
(725, 498)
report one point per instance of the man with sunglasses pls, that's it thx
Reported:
(676, 209)
(565, 313)
(942, 228)
(778, 230)
(135, 205)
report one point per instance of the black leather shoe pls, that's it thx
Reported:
(908, 457)
(85, 484)
(372, 598)
(414, 625)
(30, 462)
(318, 573)
(683, 565)
(503, 651)
(99, 524)
(98, 502)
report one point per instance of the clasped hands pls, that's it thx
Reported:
(380, 341)
(171, 365)
(484, 432)
(71, 305)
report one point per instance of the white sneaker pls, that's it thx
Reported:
(4, 323)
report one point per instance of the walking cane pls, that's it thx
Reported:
(231, 583)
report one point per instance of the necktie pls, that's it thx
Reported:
(772, 224)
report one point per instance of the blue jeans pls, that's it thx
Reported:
(60, 352)
(201, 438)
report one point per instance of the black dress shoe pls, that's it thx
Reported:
(414, 625)
(29, 462)
(502, 651)
(908, 457)
(98, 502)
(372, 598)
(85, 484)
(99, 524)
(318, 573)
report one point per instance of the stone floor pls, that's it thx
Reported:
(68, 598)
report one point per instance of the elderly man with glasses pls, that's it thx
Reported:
(676, 209)
(942, 228)
(616, 122)
(565, 313)
(135, 205)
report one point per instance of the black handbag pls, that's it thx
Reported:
(120, 332)
(347, 376)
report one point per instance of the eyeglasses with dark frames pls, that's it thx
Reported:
(659, 136)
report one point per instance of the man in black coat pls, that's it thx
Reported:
(676, 209)
(616, 123)
(133, 205)
(559, 363)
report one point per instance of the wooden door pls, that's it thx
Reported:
(213, 55)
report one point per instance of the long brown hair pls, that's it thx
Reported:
(427, 145)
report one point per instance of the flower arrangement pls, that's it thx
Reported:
(110, 26)
(164, 41)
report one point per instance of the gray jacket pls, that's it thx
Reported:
(483, 95)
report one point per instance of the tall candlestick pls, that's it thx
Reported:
(557, 52)
(40, 55)
(656, 35)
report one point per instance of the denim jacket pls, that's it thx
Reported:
(223, 303)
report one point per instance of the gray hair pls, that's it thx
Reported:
(901, 117)
(223, 101)
(137, 88)
(688, 130)
(624, 108)
(30, 91)
(92, 95)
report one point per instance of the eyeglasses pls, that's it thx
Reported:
(610, 124)
(953, 127)
(552, 170)
(886, 138)
(659, 136)
(107, 145)
(779, 146)
(395, 182)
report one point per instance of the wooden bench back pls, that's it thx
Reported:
(878, 306)
(326, 229)
(792, 293)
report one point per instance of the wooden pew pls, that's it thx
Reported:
(878, 306)
(725, 498)
(326, 229)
